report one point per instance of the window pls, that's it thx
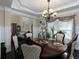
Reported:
(65, 26)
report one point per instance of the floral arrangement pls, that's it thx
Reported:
(48, 35)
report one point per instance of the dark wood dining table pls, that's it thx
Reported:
(51, 48)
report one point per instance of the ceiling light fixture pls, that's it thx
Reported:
(49, 12)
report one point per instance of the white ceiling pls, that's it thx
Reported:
(40, 5)
(36, 7)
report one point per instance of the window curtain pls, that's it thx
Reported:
(65, 24)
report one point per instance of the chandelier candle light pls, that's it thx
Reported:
(49, 12)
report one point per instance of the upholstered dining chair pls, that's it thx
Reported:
(59, 36)
(16, 47)
(15, 41)
(70, 48)
(28, 34)
(31, 51)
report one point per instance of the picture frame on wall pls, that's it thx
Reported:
(18, 29)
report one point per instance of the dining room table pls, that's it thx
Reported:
(51, 48)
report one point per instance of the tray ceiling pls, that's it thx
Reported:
(37, 6)
(40, 5)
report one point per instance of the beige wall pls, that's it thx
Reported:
(9, 18)
(77, 30)
(1, 28)
(27, 25)
(77, 19)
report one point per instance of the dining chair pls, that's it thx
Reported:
(15, 41)
(70, 48)
(16, 47)
(28, 34)
(31, 51)
(59, 36)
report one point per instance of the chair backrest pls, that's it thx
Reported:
(60, 36)
(15, 41)
(31, 51)
(29, 35)
(70, 46)
(75, 38)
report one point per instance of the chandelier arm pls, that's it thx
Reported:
(48, 10)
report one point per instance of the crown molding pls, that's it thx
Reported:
(68, 6)
(57, 9)
(17, 12)
(37, 15)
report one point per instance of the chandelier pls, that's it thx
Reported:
(49, 12)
